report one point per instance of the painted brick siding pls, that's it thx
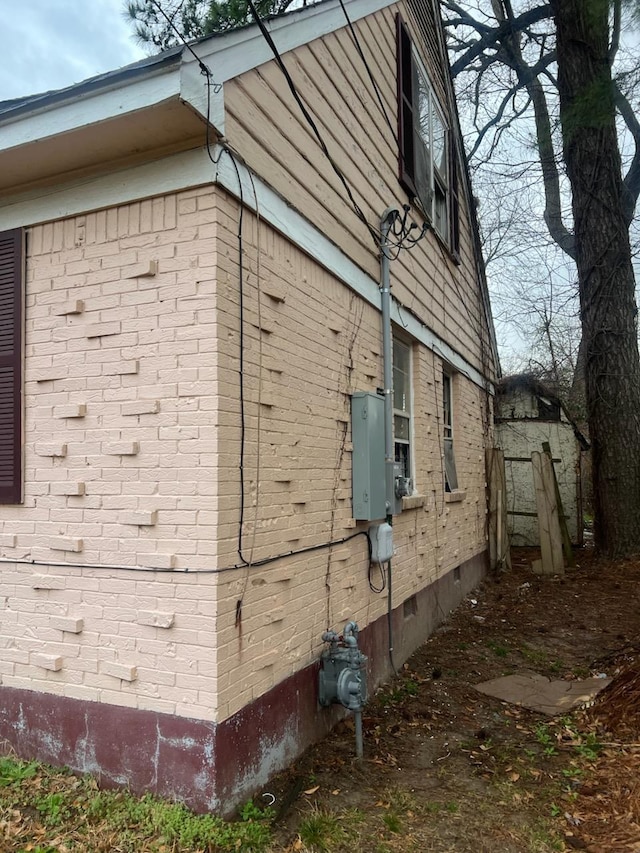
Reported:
(149, 475)
(120, 461)
(319, 344)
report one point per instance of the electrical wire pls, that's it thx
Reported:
(314, 127)
(243, 427)
(240, 600)
(158, 570)
(204, 69)
(356, 41)
(383, 578)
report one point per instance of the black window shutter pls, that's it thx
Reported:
(11, 273)
(406, 155)
(454, 200)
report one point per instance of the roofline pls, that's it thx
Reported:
(149, 66)
(227, 54)
(172, 75)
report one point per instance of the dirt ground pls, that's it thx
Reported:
(449, 769)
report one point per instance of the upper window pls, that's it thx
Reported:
(402, 407)
(427, 170)
(548, 409)
(11, 277)
(450, 474)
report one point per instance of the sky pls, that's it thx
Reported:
(50, 44)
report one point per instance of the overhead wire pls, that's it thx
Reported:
(204, 69)
(376, 89)
(312, 124)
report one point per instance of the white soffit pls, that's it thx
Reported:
(52, 119)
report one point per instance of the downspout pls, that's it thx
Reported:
(386, 221)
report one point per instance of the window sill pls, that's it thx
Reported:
(414, 502)
(454, 497)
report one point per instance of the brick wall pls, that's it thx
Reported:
(120, 460)
(132, 449)
(313, 344)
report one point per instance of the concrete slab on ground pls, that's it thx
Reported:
(537, 693)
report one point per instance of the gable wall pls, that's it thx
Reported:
(266, 126)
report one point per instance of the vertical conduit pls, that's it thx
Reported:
(386, 221)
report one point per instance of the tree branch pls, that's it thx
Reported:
(496, 35)
(632, 178)
(615, 31)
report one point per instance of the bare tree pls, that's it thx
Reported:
(547, 68)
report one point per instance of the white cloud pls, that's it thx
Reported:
(50, 45)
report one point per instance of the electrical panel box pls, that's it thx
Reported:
(367, 433)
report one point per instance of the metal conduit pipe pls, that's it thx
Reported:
(386, 221)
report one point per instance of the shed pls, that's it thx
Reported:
(527, 414)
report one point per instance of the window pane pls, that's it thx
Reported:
(451, 476)
(440, 217)
(403, 458)
(422, 146)
(400, 428)
(401, 377)
(422, 106)
(446, 403)
(439, 143)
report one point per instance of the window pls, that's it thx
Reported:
(402, 407)
(11, 277)
(548, 409)
(450, 475)
(428, 171)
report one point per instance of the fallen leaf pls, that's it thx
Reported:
(312, 790)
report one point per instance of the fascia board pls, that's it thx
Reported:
(86, 109)
(207, 99)
(241, 50)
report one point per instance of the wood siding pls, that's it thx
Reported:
(267, 128)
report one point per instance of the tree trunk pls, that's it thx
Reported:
(605, 273)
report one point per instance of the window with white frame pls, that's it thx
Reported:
(427, 170)
(450, 474)
(402, 406)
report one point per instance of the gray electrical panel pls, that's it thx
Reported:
(367, 432)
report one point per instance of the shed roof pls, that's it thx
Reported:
(531, 384)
